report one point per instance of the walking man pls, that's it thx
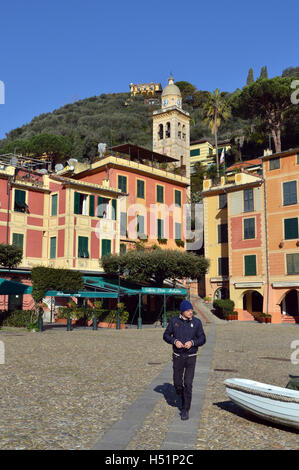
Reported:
(186, 334)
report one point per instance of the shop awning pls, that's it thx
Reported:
(11, 287)
(81, 294)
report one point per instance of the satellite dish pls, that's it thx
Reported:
(102, 149)
(43, 171)
(58, 167)
(14, 161)
(72, 163)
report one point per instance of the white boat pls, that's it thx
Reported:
(276, 404)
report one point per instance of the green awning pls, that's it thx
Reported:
(85, 294)
(11, 287)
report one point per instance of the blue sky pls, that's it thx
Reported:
(53, 52)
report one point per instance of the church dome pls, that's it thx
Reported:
(171, 89)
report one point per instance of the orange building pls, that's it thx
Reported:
(252, 240)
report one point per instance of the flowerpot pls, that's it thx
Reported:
(63, 321)
(263, 320)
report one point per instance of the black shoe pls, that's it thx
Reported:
(185, 415)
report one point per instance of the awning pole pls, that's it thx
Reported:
(139, 316)
(164, 315)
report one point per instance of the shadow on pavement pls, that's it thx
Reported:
(169, 393)
(231, 407)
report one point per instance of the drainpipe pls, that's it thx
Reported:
(8, 208)
(266, 242)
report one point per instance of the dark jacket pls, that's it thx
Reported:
(185, 330)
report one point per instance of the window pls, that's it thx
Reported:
(123, 248)
(249, 228)
(160, 193)
(91, 205)
(83, 247)
(178, 231)
(222, 266)
(194, 152)
(114, 209)
(53, 247)
(20, 201)
(140, 225)
(290, 228)
(248, 200)
(222, 201)
(177, 198)
(123, 224)
(250, 265)
(122, 183)
(274, 163)
(222, 233)
(140, 189)
(289, 193)
(54, 204)
(293, 263)
(18, 240)
(106, 247)
(160, 132)
(80, 204)
(103, 207)
(167, 132)
(160, 228)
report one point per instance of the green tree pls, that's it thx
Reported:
(264, 72)
(216, 111)
(291, 72)
(268, 100)
(156, 265)
(10, 256)
(250, 77)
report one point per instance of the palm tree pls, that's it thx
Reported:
(216, 110)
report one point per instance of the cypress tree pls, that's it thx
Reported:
(250, 77)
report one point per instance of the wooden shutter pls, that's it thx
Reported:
(160, 228)
(18, 240)
(160, 193)
(114, 209)
(250, 265)
(106, 247)
(291, 228)
(100, 208)
(289, 193)
(53, 247)
(77, 203)
(54, 204)
(91, 205)
(178, 198)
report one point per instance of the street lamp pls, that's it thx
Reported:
(118, 300)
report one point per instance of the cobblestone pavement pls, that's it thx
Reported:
(64, 390)
(254, 351)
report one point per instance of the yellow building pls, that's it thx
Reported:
(146, 89)
(204, 151)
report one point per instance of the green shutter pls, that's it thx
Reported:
(160, 193)
(53, 247)
(83, 247)
(250, 265)
(293, 263)
(249, 228)
(54, 204)
(106, 247)
(100, 208)
(289, 193)
(122, 183)
(77, 203)
(20, 198)
(160, 228)
(178, 198)
(114, 209)
(178, 231)
(140, 189)
(18, 240)
(91, 205)
(140, 225)
(291, 228)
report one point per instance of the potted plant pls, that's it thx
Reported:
(207, 300)
(109, 321)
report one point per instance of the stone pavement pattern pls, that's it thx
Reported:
(65, 390)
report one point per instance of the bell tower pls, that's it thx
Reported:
(171, 127)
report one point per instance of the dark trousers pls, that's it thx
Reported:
(183, 374)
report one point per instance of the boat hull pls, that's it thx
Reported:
(275, 404)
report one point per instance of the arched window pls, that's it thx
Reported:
(184, 132)
(179, 131)
(167, 132)
(160, 132)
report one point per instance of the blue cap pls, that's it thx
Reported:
(186, 305)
